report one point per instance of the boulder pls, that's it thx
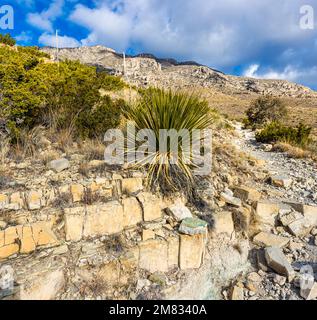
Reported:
(193, 226)
(300, 227)
(247, 194)
(74, 223)
(229, 199)
(309, 293)
(265, 214)
(265, 239)
(278, 262)
(179, 212)
(59, 165)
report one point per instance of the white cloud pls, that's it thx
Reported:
(24, 37)
(63, 41)
(44, 20)
(291, 73)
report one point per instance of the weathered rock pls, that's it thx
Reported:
(16, 202)
(173, 251)
(27, 240)
(179, 212)
(3, 201)
(265, 214)
(59, 165)
(223, 223)
(153, 255)
(236, 293)
(227, 198)
(77, 191)
(261, 261)
(193, 226)
(8, 250)
(281, 181)
(148, 234)
(265, 239)
(105, 219)
(132, 185)
(247, 194)
(152, 206)
(288, 218)
(43, 234)
(278, 262)
(34, 200)
(74, 223)
(300, 228)
(110, 273)
(192, 249)
(43, 287)
(132, 212)
(242, 218)
(309, 293)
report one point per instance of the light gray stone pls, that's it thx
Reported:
(179, 212)
(193, 226)
(277, 261)
(59, 165)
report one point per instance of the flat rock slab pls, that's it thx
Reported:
(281, 181)
(193, 226)
(179, 212)
(265, 239)
(59, 165)
(276, 260)
(300, 228)
(309, 293)
(229, 199)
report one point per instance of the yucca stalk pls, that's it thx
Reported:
(159, 109)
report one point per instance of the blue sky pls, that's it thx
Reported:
(244, 37)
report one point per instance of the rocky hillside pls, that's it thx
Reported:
(146, 69)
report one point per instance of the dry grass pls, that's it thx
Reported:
(93, 150)
(49, 156)
(293, 151)
(4, 150)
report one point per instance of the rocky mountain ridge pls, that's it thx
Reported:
(147, 70)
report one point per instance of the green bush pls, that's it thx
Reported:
(7, 39)
(158, 109)
(263, 110)
(275, 131)
(34, 92)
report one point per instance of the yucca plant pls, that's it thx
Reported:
(158, 109)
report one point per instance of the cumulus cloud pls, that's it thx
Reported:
(222, 34)
(44, 20)
(63, 41)
(24, 37)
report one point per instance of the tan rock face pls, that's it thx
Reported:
(43, 235)
(152, 206)
(74, 223)
(103, 219)
(236, 293)
(8, 250)
(27, 240)
(132, 185)
(265, 215)
(192, 250)
(245, 193)
(110, 273)
(147, 235)
(16, 201)
(77, 191)
(265, 239)
(3, 201)
(173, 251)
(132, 212)
(223, 223)
(154, 256)
(44, 287)
(34, 200)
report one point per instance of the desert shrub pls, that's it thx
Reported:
(275, 131)
(56, 95)
(7, 39)
(263, 110)
(158, 109)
